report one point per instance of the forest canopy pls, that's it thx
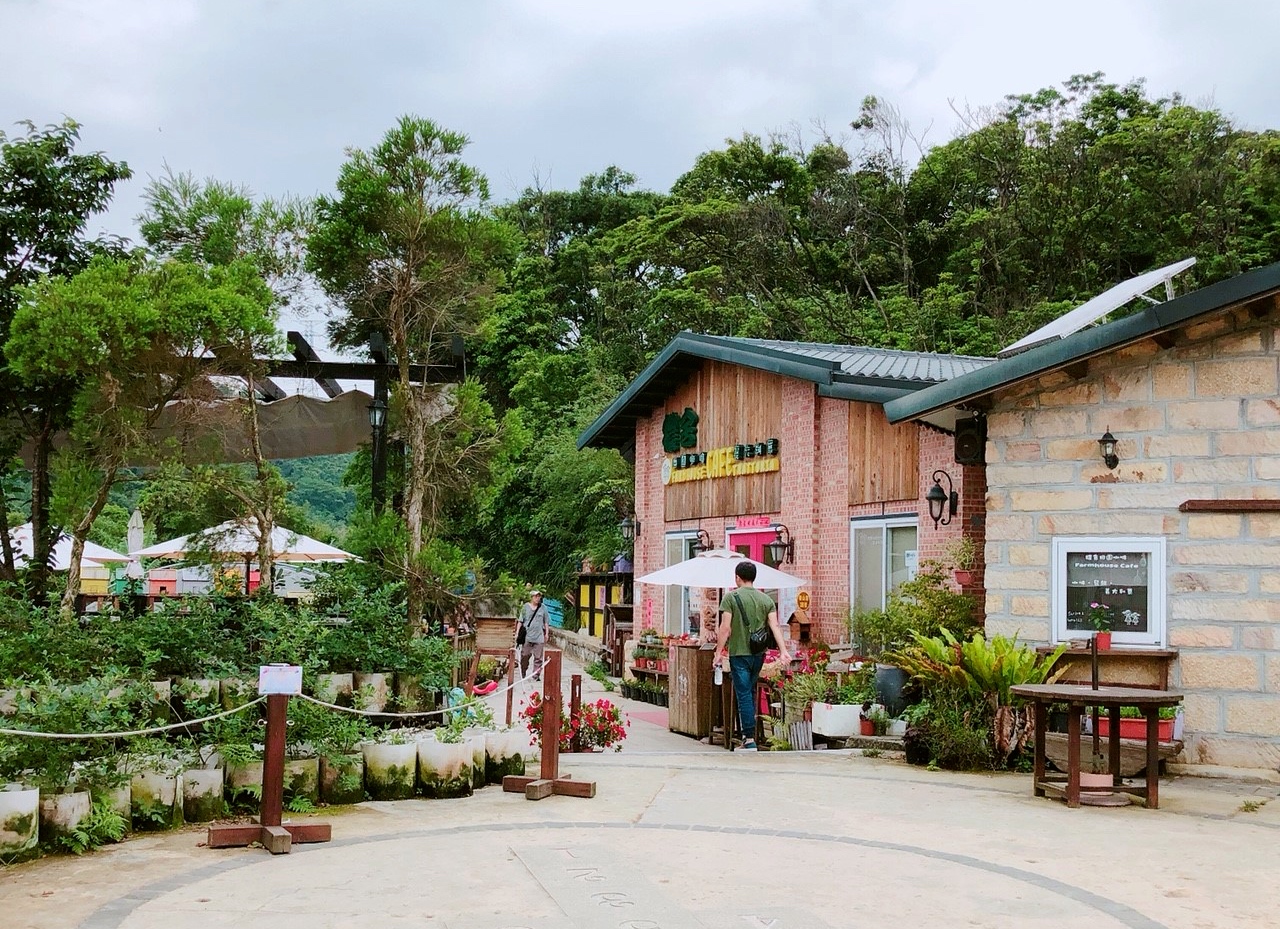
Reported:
(864, 237)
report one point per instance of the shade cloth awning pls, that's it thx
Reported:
(94, 555)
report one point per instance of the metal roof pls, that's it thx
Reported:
(847, 372)
(1082, 345)
(887, 363)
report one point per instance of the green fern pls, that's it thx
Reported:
(101, 825)
(300, 804)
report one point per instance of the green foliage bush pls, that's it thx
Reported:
(926, 604)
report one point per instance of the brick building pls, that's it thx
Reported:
(739, 442)
(1178, 533)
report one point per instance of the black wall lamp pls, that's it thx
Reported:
(1108, 445)
(783, 547)
(629, 527)
(942, 503)
(702, 543)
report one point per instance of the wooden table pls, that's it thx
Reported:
(1078, 698)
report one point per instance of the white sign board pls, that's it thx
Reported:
(279, 679)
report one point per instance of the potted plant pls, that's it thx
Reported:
(963, 555)
(1133, 725)
(1099, 618)
(390, 766)
(874, 719)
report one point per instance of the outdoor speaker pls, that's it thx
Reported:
(971, 441)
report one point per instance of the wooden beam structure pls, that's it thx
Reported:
(302, 351)
(550, 781)
(275, 836)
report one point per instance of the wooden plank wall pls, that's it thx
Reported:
(884, 460)
(735, 404)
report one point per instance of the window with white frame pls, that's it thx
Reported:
(678, 605)
(882, 555)
(1119, 580)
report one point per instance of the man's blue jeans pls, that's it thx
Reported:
(746, 671)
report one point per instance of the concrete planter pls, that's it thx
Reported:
(202, 794)
(155, 800)
(60, 813)
(189, 690)
(389, 770)
(302, 778)
(236, 692)
(343, 781)
(505, 753)
(476, 739)
(19, 821)
(243, 783)
(119, 799)
(335, 688)
(445, 768)
(836, 720)
(411, 697)
(378, 692)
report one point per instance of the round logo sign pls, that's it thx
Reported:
(802, 600)
(666, 470)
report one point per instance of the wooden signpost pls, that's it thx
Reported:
(550, 780)
(277, 682)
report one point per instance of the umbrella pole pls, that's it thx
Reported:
(247, 561)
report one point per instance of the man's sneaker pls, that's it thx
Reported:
(748, 747)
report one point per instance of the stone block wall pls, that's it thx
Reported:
(1199, 420)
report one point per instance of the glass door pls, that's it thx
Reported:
(883, 556)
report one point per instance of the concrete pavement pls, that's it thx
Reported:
(683, 835)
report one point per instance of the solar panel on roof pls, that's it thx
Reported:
(1099, 306)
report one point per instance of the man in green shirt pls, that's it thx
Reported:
(742, 611)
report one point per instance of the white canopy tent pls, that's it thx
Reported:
(239, 538)
(95, 556)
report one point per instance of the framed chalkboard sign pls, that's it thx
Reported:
(1119, 582)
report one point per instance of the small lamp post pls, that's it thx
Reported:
(378, 422)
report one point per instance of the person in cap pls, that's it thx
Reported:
(533, 620)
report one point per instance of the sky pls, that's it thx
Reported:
(270, 93)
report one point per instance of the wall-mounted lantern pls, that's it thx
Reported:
(942, 503)
(783, 548)
(1108, 446)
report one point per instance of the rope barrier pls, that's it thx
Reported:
(386, 714)
(121, 735)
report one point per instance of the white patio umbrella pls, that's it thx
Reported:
(95, 556)
(238, 537)
(715, 568)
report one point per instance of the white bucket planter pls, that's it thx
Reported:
(191, 690)
(476, 739)
(9, 702)
(155, 800)
(202, 794)
(897, 728)
(19, 821)
(342, 780)
(373, 690)
(302, 778)
(411, 696)
(505, 753)
(60, 813)
(236, 692)
(244, 783)
(838, 721)
(120, 799)
(445, 768)
(335, 688)
(389, 770)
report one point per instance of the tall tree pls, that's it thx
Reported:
(129, 338)
(48, 193)
(217, 224)
(407, 249)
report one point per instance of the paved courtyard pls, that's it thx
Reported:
(686, 836)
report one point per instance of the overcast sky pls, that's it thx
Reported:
(269, 94)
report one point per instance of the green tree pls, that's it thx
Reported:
(128, 337)
(408, 250)
(48, 192)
